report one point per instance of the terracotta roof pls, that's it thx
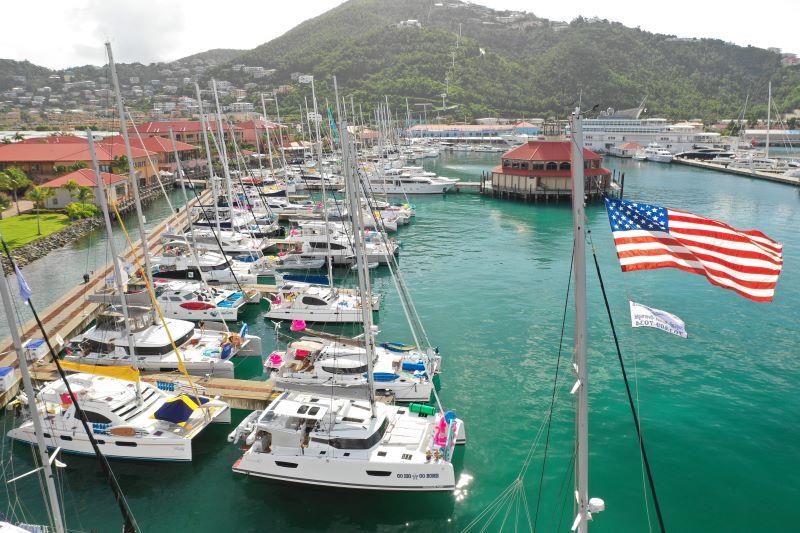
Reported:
(251, 124)
(547, 151)
(153, 144)
(85, 178)
(178, 126)
(55, 139)
(16, 152)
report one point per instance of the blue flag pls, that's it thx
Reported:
(24, 290)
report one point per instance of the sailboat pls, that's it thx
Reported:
(318, 439)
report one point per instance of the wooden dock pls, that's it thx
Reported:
(758, 174)
(72, 313)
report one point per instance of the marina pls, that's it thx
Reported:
(675, 387)
(295, 288)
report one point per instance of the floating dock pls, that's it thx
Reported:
(758, 174)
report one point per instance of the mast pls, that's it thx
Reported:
(317, 120)
(54, 510)
(582, 384)
(131, 171)
(350, 170)
(114, 258)
(214, 191)
(769, 110)
(224, 153)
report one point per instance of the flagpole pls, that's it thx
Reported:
(54, 510)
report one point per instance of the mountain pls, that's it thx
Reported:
(511, 63)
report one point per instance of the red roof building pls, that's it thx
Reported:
(162, 147)
(544, 168)
(278, 133)
(54, 139)
(189, 131)
(116, 185)
(44, 160)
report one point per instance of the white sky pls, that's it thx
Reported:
(63, 33)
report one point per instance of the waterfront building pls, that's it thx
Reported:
(613, 128)
(116, 185)
(278, 133)
(188, 131)
(758, 137)
(165, 155)
(542, 170)
(42, 161)
(483, 133)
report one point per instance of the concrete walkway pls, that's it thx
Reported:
(24, 207)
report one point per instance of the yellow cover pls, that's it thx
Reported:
(127, 373)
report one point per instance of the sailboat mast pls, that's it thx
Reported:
(269, 141)
(350, 169)
(131, 170)
(582, 384)
(224, 152)
(769, 110)
(52, 495)
(214, 191)
(103, 199)
(317, 120)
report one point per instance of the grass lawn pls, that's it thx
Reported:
(21, 229)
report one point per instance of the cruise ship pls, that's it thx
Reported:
(616, 127)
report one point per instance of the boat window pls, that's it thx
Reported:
(285, 464)
(126, 443)
(302, 409)
(345, 370)
(313, 300)
(361, 444)
(380, 473)
(96, 418)
(66, 437)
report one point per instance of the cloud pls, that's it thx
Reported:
(139, 31)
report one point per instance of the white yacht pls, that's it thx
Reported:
(176, 262)
(317, 303)
(322, 440)
(130, 420)
(404, 181)
(204, 350)
(233, 242)
(312, 237)
(312, 365)
(655, 152)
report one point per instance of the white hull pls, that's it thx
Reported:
(314, 315)
(410, 188)
(349, 474)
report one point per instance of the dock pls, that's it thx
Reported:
(758, 174)
(72, 312)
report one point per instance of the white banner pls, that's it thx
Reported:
(643, 316)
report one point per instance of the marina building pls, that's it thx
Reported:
(542, 170)
(43, 161)
(116, 185)
(188, 131)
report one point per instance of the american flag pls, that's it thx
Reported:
(650, 236)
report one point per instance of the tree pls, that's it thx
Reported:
(85, 194)
(18, 137)
(119, 164)
(14, 180)
(72, 187)
(78, 165)
(39, 197)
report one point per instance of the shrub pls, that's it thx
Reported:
(77, 210)
(5, 201)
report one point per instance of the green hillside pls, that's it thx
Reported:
(530, 66)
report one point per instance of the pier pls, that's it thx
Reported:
(757, 174)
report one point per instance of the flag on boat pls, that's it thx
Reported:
(650, 236)
(649, 317)
(24, 289)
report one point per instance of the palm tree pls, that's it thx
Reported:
(13, 180)
(18, 137)
(39, 197)
(72, 187)
(85, 194)
(120, 164)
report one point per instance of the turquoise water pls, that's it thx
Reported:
(718, 410)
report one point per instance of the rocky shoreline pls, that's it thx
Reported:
(41, 247)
